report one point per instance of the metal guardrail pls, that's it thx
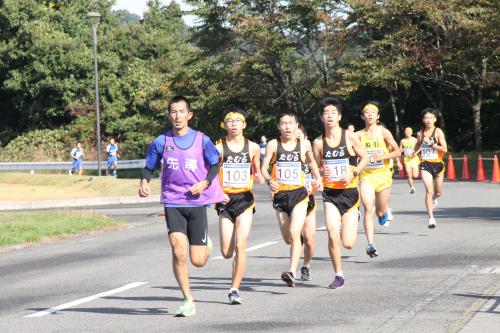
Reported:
(87, 165)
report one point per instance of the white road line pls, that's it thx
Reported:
(85, 300)
(256, 247)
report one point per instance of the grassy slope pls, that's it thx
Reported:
(26, 228)
(25, 187)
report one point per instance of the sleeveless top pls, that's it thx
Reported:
(235, 173)
(287, 168)
(338, 161)
(182, 168)
(428, 153)
(373, 146)
(408, 148)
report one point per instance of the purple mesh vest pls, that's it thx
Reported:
(182, 168)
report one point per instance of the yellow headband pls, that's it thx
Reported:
(231, 115)
(371, 107)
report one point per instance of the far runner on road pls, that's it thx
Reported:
(411, 161)
(286, 154)
(432, 146)
(240, 165)
(189, 183)
(376, 178)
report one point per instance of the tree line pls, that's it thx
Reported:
(262, 56)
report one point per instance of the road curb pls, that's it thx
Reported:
(80, 202)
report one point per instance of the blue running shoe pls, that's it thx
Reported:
(382, 220)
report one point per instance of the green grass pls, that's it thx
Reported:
(22, 228)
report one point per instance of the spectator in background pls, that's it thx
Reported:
(351, 128)
(77, 155)
(262, 145)
(112, 150)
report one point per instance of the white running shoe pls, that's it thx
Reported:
(432, 223)
(434, 202)
(412, 190)
(390, 217)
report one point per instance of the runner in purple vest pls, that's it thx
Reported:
(189, 184)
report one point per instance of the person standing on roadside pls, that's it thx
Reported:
(112, 150)
(77, 155)
(189, 183)
(262, 146)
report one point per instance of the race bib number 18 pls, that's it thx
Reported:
(337, 168)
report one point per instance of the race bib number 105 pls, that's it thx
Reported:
(289, 173)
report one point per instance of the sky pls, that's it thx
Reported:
(139, 7)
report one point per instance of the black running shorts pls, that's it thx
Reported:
(285, 201)
(191, 221)
(311, 205)
(237, 205)
(436, 169)
(343, 199)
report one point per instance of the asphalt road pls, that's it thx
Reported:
(423, 280)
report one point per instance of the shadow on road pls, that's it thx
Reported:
(114, 311)
(486, 213)
(492, 308)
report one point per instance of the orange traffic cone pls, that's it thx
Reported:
(451, 169)
(495, 178)
(481, 177)
(465, 169)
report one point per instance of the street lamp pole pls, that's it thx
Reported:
(94, 18)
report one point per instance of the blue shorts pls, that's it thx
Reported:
(77, 164)
(112, 161)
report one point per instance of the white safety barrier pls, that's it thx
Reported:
(87, 165)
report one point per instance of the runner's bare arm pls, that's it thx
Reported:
(418, 146)
(270, 154)
(255, 158)
(442, 145)
(362, 154)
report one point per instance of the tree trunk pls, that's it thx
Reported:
(395, 114)
(476, 116)
(440, 109)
